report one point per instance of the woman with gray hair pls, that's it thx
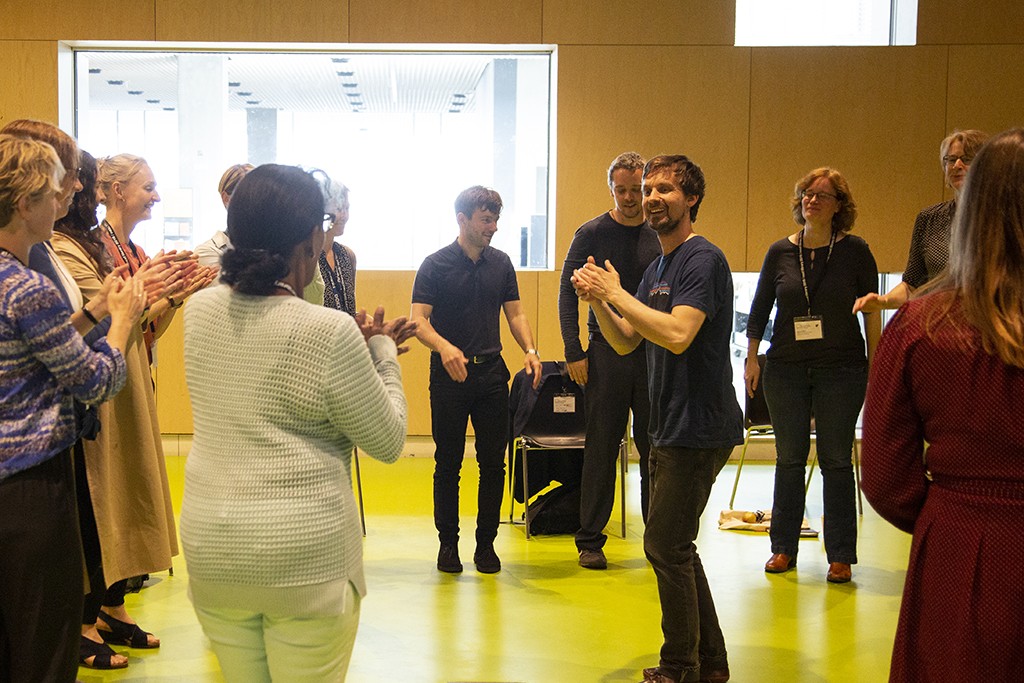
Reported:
(337, 262)
(929, 245)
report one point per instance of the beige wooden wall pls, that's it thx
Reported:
(658, 76)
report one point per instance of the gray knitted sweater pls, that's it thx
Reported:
(281, 390)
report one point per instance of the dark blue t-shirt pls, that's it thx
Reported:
(693, 403)
(467, 297)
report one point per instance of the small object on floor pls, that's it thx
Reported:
(123, 633)
(448, 559)
(101, 654)
(839, 572)
(593, 559)
(654, 675)
(486, 559)
(779, 563)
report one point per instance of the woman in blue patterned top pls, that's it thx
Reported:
(44, 365)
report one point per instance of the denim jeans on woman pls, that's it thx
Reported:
(833, 396)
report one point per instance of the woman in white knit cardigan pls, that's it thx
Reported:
(281, 392)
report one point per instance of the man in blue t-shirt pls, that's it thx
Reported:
(684, 309)
(458, 296)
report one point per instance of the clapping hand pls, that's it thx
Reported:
(399, 329)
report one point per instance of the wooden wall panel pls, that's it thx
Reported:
(173, 408)
(658, 22)
(984, 87)
(78, 20)
(28, 80)
(446, 21)
(690, 100)
(875, 114)
(956, 22)
(253, 20)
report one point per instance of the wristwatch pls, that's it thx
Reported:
(533, 351)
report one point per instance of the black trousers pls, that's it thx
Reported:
(99, 594)
(615, 385)
(41, 570)
(483, 399)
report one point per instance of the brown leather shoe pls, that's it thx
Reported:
(654, 675)
(839, 572)
(715, 676)
(779, 563)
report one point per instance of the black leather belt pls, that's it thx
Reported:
(480, 360)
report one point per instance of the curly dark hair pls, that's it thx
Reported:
(80, 223)
(273, 209)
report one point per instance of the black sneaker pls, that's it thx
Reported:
(448, 559)
(486, 559)
(593, 559)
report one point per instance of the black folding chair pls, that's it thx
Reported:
(557, 421)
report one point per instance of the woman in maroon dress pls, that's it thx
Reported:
(949, 372)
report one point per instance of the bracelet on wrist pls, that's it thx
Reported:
(90, 316)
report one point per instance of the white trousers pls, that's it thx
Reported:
(260, 648)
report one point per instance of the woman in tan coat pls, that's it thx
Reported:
(127, 478)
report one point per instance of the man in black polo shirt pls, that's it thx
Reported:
(456, 299)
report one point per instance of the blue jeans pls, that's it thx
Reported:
(482, 398)
(681, 481)
(834, 397)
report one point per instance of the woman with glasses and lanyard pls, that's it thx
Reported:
(929, 245)
(337, 262)
(816, 365)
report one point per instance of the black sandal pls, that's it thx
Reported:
(101, 654)
(123, 633)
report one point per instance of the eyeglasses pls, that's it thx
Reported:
(951, 159)
(328, 221)
(809, 195)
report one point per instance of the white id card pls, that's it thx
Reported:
(807, 327)
(565, 403)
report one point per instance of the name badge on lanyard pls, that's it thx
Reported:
(809, 327)
(806, 327)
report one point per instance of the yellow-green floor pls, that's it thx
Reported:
(544, 619)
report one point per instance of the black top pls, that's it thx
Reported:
(693, 402)
(339, 283)
(467, 297)
(929, 245)
(850, 273)
(630, 249)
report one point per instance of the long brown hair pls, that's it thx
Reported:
(984, 281)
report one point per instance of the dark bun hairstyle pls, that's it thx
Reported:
(273, 209)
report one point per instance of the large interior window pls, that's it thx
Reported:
(405, 131)
(836, 22)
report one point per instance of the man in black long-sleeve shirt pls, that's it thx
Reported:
(614, 384)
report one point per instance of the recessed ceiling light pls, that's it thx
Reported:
(234, 84)
(244, 93)
(95, 70)
(134, 92)
(252, 101)
(115, 82)
(153, 101)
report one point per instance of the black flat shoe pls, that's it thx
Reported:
(101, 655)
(123, 633)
